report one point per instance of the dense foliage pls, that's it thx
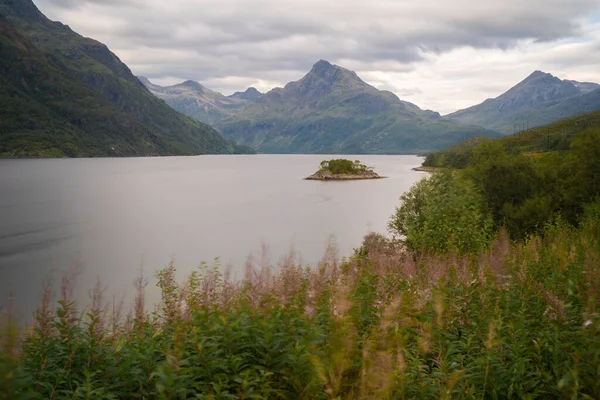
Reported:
(525, 189)
(343, 166)
(442, 213)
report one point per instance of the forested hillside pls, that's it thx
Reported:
(532, 177)
(65, 95)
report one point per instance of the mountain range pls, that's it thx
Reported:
(331, 110)
(62, 94)
(201, 103)
(539, 99)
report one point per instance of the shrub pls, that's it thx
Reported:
(442, 213)
(342, 166)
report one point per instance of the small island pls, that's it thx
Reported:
(343, 170)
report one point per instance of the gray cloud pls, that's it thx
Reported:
(75, 4)
(274, 41)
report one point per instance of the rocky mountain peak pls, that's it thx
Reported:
(251, 91)
(322, 77)
(321, 67)
(538, 74)
(193, 85)
(250, 94)
(540, 77)
(330, 72)
(531, 100)
(537, 88)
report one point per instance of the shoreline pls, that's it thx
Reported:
(425, 169)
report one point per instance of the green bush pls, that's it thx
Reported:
(442, 213)
(342, 166)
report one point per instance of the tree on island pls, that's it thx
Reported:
(343, 166)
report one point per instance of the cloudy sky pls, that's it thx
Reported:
(439, 54)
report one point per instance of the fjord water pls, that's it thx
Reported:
(110, 216)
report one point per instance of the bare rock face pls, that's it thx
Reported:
(328, 176)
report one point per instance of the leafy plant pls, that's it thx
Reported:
(442, 213)
(343, 166)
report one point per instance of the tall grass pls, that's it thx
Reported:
(520, 320)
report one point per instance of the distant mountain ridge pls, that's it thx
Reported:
(332, 110)
(62, 94)
(250, 94)
(196, 101)
(539, 99)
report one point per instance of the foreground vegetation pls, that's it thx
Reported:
(518, 320)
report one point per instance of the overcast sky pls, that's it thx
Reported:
(441, 55)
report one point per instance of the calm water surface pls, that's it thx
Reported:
(110, 216)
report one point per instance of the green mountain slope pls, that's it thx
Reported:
(538, 100)
(331, 110)
(553, 137)
(199, 102)
(65, 95)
